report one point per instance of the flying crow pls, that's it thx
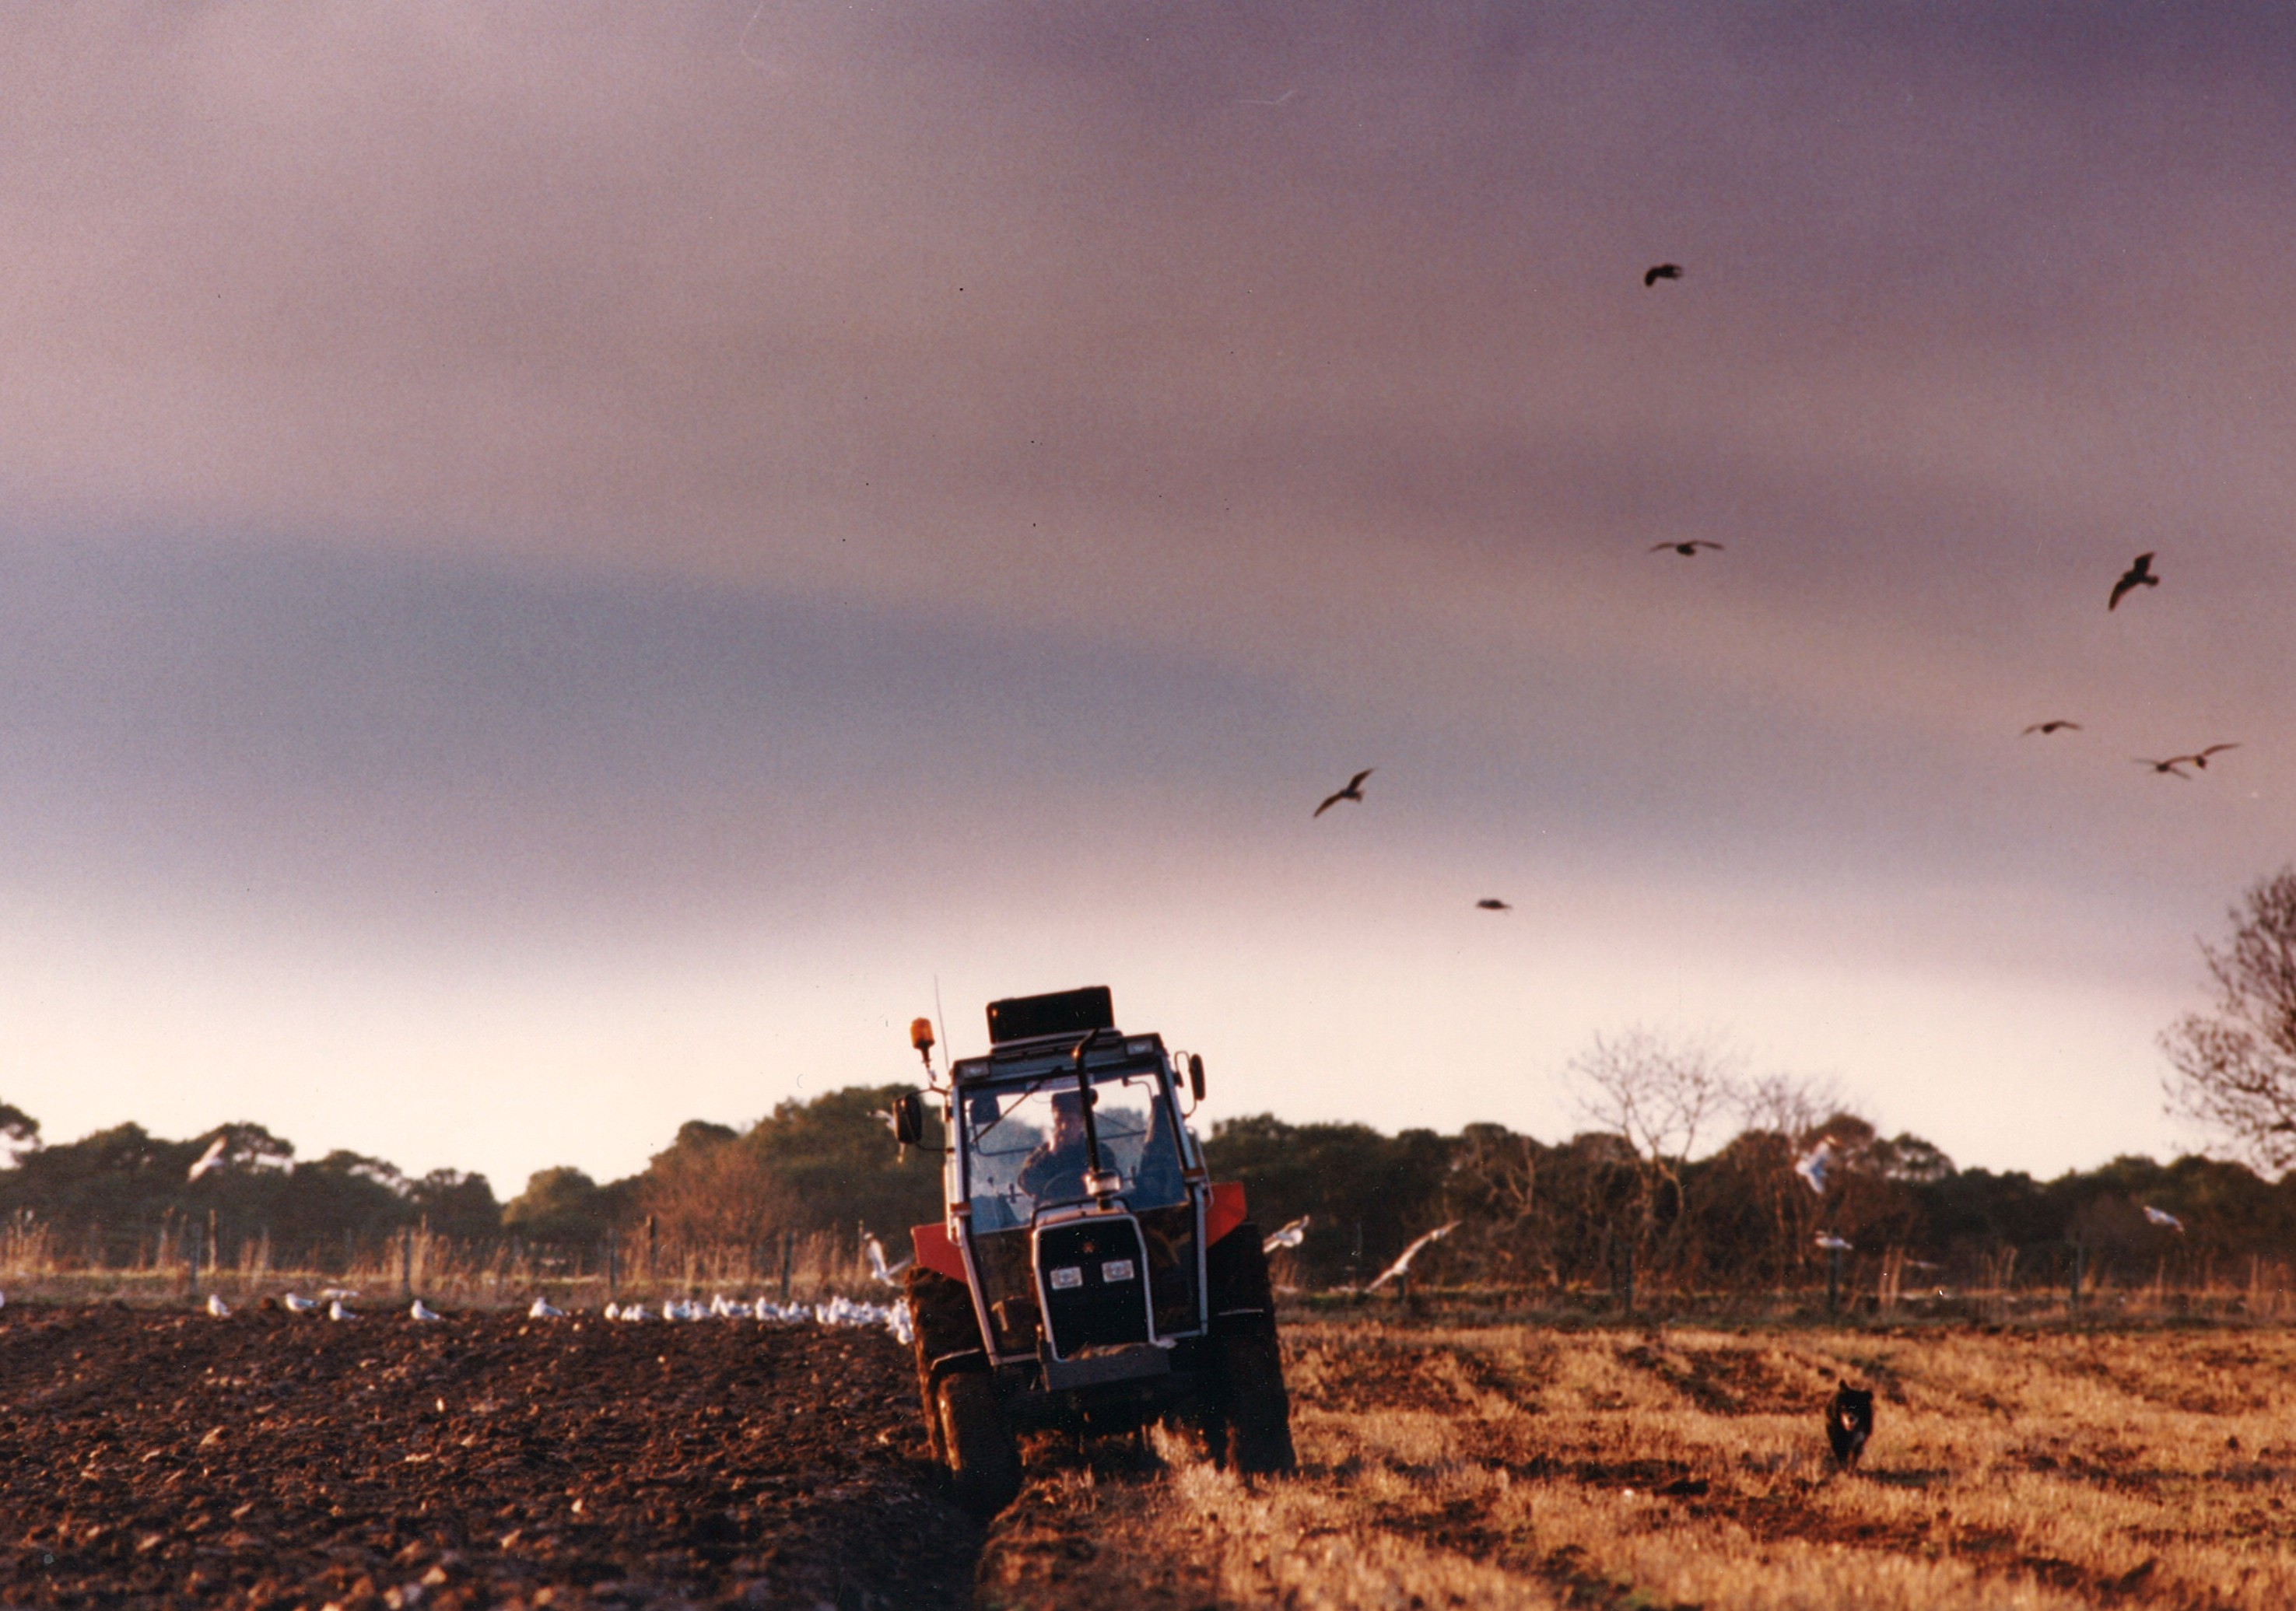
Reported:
(1491, 903)
(2057, 724)
(2168, 765)
(2138, 575)
(1688, 550)
(1353, 791)
(2201, 759)
(1663, 271)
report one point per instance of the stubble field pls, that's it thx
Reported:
(156, 1458)
(1513, 1468)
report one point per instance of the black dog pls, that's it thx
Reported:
(1849, 1423)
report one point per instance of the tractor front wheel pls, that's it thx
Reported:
(984, 1462)
(1258, 1410)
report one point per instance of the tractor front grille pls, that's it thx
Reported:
(1093, 1275)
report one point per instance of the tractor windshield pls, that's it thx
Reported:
(1025, 1146)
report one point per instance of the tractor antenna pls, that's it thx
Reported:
(940, 1023)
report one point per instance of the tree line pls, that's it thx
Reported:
(1686, 1174)
(1593, 1212)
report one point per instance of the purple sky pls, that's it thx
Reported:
(558, 566)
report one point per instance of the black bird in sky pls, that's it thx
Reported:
(2055, 724)
(2138, 575)
(2201, 759)
(1353, 791)
(1663, 271)
(1491, 903)
(1688, 550)
(2168, 765)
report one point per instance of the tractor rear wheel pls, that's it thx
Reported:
(984, 1462)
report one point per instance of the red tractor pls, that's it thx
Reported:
(1088, 1273)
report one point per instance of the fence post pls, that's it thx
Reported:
(2079, 1261)
(405, 1261)
(1833, 1282)
(652, 1227)
(789, 1255)
(613, 1264)
(192, 1235)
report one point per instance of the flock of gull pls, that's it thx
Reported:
(839, 1311)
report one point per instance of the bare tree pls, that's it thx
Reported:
(1658, 1098)
(1793, 1106)
(1785, 1114)
(2236, 1067)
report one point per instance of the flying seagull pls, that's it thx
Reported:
(210, 1158)
(1688, 550)
(1814, 1166)
(1491, 903)
(2168, 765)
(1662, 271)
(1291, 1236)
(2138, 575)
(2201, 759)
(1353, 791)
(880, 1271)
(1402, 1266)
(2161, 1217)
(2055, 724)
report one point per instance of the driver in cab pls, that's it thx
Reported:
(1054, 1171)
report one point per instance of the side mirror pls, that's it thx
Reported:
(909, 1120)
(1196, 1075)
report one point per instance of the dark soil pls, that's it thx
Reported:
(266, 1459)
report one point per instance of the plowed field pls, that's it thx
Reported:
(268, 1460)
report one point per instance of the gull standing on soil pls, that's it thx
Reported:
(297, 1303)
(1402, 1266)
(217, 1307)
(1291, 1236)
(881, 1273)
(336, 1311)
(208, 1159)
(423, 1311)
(545, 1309)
